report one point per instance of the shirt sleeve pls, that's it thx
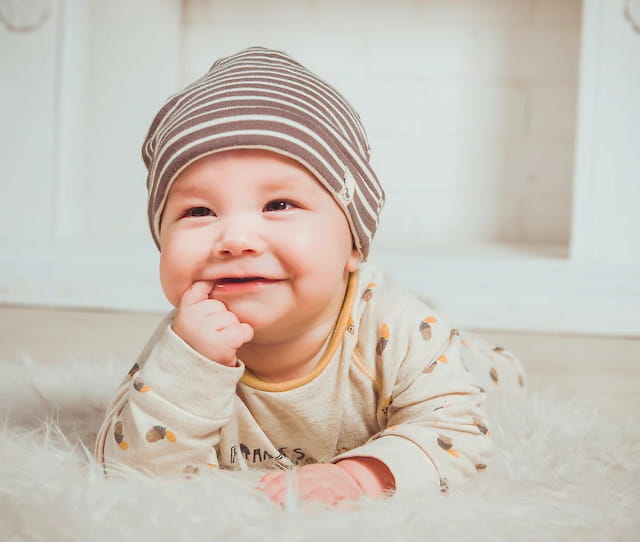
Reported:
(168, 412)
(434, 430)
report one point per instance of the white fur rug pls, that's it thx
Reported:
(561, 471)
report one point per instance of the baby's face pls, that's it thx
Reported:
(261, 227)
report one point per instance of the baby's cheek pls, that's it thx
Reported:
(170, 278)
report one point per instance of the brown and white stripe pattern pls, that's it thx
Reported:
(263, 99)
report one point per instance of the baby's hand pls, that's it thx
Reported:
(208, 327)
(317, 483)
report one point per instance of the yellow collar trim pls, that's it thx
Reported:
(253, 381)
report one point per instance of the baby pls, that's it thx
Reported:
(285, 350)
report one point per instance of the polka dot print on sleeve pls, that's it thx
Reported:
(159, 432)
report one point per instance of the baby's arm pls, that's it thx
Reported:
(167, 415)
(329, 483)
(435, 430)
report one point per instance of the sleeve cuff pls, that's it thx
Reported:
(178, 373)
(411, 468)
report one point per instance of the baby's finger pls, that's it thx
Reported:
(270, 476)
(197, 292)
(286, 493)
(236, 335)
(218, 316)
(318, 494)
(346, 505)
(247, 332)
(274, 485)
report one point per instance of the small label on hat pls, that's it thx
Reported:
(347, 192)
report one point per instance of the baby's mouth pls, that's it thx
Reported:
(242, 284)
(237, 280)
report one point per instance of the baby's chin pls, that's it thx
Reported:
(268, 331)
(255, 312)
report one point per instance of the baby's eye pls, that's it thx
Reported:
(198, 211)
(279, 205)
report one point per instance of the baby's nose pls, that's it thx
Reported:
(237, 236)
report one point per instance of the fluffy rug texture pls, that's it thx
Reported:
(561, 471)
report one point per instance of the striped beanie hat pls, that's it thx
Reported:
(263, 99)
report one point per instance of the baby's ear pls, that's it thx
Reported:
(354, 261)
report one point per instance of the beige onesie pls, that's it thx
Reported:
(396, 382)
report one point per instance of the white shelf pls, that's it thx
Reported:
(102, 275)
(485, 252)
(514, 288)
(488, 287)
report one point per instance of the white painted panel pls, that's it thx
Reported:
(466, 97)
(467, 107)
(544, 167)
(323, 35)
(72, 95)
(413, 222)
(544, 219)
(27, 125)
(606, 222)
(553, 109)
(134, 51)
(371, 98)
(556, 13)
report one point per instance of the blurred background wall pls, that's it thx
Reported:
(505, 132)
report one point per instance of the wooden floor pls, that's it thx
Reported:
(605, 368)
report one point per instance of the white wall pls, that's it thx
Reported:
(606, 221)
(128, 70)
(27, 130)
(470, 106)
